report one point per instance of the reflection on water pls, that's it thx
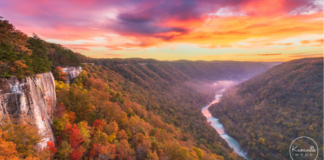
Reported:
(220, 128)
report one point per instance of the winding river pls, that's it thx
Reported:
(213, 121)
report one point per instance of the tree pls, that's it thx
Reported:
(123, 150)
(7, 149)
(24, 136)
(198, 152)
(98, 124)
(111, 128)
(75, 141)
(121, 135)
(51, 147)
(59, 74)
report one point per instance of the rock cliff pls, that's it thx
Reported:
(33, 98)
(73, 72)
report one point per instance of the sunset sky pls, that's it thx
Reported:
(240, 30)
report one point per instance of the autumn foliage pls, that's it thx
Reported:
(95, 121)
(59, 74)
(97, 124)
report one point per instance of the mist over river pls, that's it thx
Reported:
(214, 122)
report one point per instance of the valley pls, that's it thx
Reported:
(59, 104)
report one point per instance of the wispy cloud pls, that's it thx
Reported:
(80, 48)
(305, 42)
(269, 54)
(106, 55)
(286, 44)
(114, 48)
(319, 41)
(305, 55)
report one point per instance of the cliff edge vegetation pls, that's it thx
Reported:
(24, 56)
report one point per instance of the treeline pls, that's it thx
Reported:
(23, 56)
(266, 113)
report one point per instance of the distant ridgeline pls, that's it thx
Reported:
(202, 70)
(267, 112)
(24, 56)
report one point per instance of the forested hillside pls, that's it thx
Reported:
(108, 124)
(23, 56)
(267, 112)
(169, 92)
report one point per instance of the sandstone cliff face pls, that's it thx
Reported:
(73, 72)
(33, 98)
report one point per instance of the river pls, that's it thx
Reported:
(213, 121)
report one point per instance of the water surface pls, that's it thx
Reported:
(213, 121)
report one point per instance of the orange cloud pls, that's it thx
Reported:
(80, 48)
(230, 30)
(269, 54)
(305, 55)
(106, 55)
(114, 48)
(227, 55)
(304, 42)
(317, 45)
(320, 41)
(286, 44)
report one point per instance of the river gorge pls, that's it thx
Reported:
(215, 123)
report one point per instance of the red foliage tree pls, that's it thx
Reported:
(77, 153)
(97, 124)
(75, 141)
(51, 147)
(59, 74)
(98, 150)
(71, 116)
(75, 135)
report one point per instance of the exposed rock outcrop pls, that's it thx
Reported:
(73, 72)
(33, 98)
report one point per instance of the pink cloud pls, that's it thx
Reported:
(151, 22)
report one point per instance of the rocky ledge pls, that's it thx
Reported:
(73, 72)
(31, 98)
